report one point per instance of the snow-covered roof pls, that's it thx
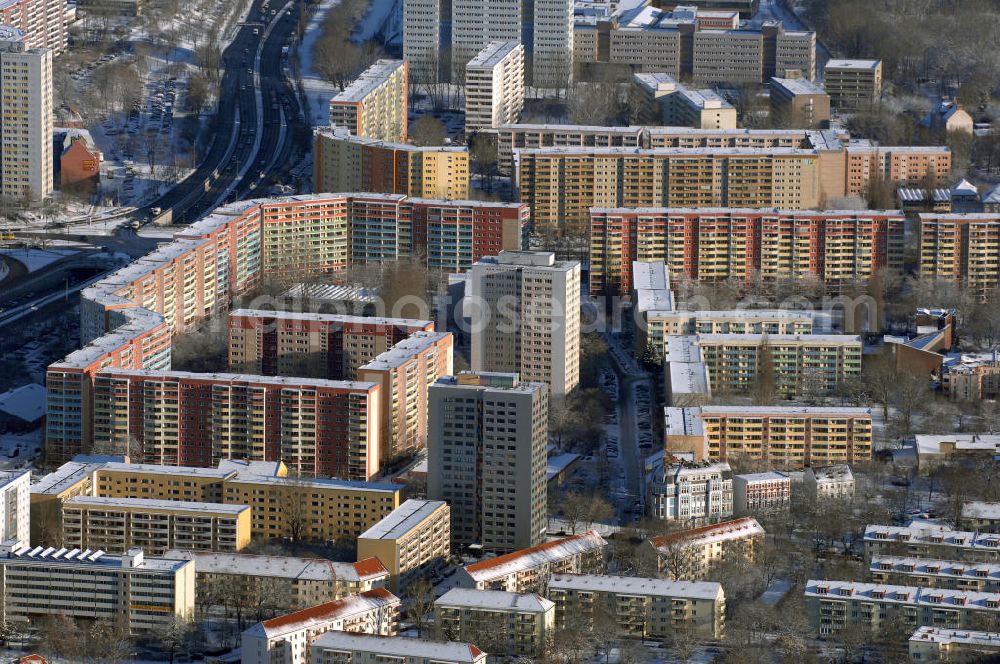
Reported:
(914, 595)
(317, 616)
(853, 64)
(334, 292)
(634, 585)
(405, 350)
(682, 422)
(978, 509)
(64, 477)
(138, 504)
(717, 532)
(536, 556)
(155, 469)
(937, 535)
(403, 519)
(935, 567)
(400, 646)
(493, 54)
(798, 86)
(251, 468)
(26, 403)
(496, 600)
(369, 80)
(818, 411)
(993, 195)
(650, 275)
(838, 472)
(557, 464)
(688, 377)
(967, 637)
(770, 476)
(969, 442)
(282, 567)
(964, 188)
(329, 318)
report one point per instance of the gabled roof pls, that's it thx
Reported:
(324, 613)
(716, 532)
(536, 556)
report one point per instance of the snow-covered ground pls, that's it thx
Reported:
(36, 259)
(317, 90)
(18, 449)
(382, 12)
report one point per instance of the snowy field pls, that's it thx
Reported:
(36, 259)
(317, 90)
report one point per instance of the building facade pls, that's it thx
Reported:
(119, 524)
(487, 435)
(834, 247)
(528, 570)
(931, 573)
(939, 543)
(15, 506)
(494, 86)
(692, 553)
(784, 437)
(798, 102)
(964, 248)
(640, 608)
(375, 104)
(525, 318)
(934, 644)
(761, 492)
(288, 639)
(690, 493)
(981, 516)
(25, 111)
(42, 21)
(515, 624)
(834, 482)
(412, 540)
(146, 593)
(347, 648)
(853, 85)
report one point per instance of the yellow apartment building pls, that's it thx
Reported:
(516, 625)
(411, 540)
(374, 105)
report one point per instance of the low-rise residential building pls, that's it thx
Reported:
(347, 648)
(528, 570)
(853, 85)
(931, 573)
(304, 582)
(829, 482)
(512, 624)
(494, 86)
(835, 606)
(981, 516)
(949, 115)
(973, 381)
(938, 542)
(942, 644)
(761, 492)
(73, 478)
(148, 593)
(119, 524)
(784, 437)
(798, 102)
(692, 553)
(640, 607)
(932, 449)
(374, 105)
(410, 541)
(694, 493)
(288, 639)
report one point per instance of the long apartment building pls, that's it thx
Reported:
(42, 21)
(494, 86)
(799, 364)
(964, 248)
(692, 553)
(519, 624)
(25, 114)
(780, 436)
(403, 374)
(412, 540)
(836, 606)
(281, 506)
(343, 162)
(658, 325)
(329, 346)
(119, 524)
(708, 47)
(525, 317)
(715, 244)
(487, 434)
(639, 607)
(933, 644)
(145, 593)
(374, 105)
(939, 543)
(931, 573)
(288, 639)
(528, 570)
(337, 647)
(305, 582)
(319, 427)
(128, 318)
(562, 184)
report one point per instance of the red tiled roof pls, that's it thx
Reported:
(370, 567)
(539, 548)
(331, 610)
(711, 529)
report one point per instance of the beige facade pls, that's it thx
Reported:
(932, 573)
(934, 644)
(119, 524)
(964, 248)
(641, 608)
(932, 542)
(25, 118)
(410, 541)
(542, 342)
(375, 104)
(781, 436)
(853, 84)
(798, 102)
(692, 553)
(494, 86)
(146, 593)
(303, 582)
(981, 516)
(834, 482)
(347, 648)
(514, 625)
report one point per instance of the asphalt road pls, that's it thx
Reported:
(247, 145)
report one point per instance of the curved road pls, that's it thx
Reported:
(250, 143)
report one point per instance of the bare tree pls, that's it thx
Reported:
(420, 601)
(428, 130)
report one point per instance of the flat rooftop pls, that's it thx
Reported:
(347, 319)
(798, 86)
(399, 647)
(493, 54)
(284, 567)
(632, 585)
(852, 64)
(367, 82)
(495, 600)
(403, 519)
(147, 504)
(64, 477)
